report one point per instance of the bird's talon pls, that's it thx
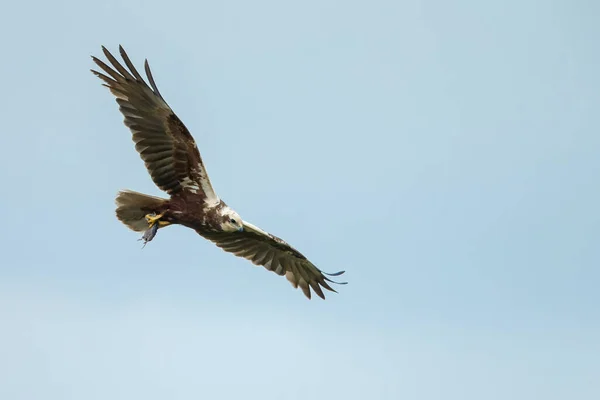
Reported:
(154, 219)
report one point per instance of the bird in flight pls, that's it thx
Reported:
(174, 163)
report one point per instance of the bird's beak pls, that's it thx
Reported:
(241, 229)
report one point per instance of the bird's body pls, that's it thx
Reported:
(174, 163)
(192, 210)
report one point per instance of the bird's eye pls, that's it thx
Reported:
(233, 221)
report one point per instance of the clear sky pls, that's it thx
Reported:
(445, 154)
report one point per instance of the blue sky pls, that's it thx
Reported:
(445, 154)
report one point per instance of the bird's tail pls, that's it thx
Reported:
(132, 208)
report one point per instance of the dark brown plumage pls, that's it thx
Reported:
(175, 165)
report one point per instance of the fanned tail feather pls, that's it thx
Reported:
(132, 208)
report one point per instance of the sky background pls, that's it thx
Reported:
(445, 154)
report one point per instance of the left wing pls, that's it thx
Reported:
(164, 143)
(276, 255)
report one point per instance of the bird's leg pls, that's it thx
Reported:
(155, 219)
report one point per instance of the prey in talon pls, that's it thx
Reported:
(149, 234)
(154, 222)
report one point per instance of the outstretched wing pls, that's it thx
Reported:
(164, 143)
(276, 255)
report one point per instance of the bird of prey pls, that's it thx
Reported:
(174, 163)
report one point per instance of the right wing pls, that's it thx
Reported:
(276, 255)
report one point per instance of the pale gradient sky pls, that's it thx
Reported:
(445, 154)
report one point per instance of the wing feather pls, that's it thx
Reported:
(162, 140)
(271, 252)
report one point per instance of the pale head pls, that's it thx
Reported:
(231, 220)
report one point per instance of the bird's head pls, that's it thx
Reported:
(231, 221)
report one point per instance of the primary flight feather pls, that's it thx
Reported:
(174, 163)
